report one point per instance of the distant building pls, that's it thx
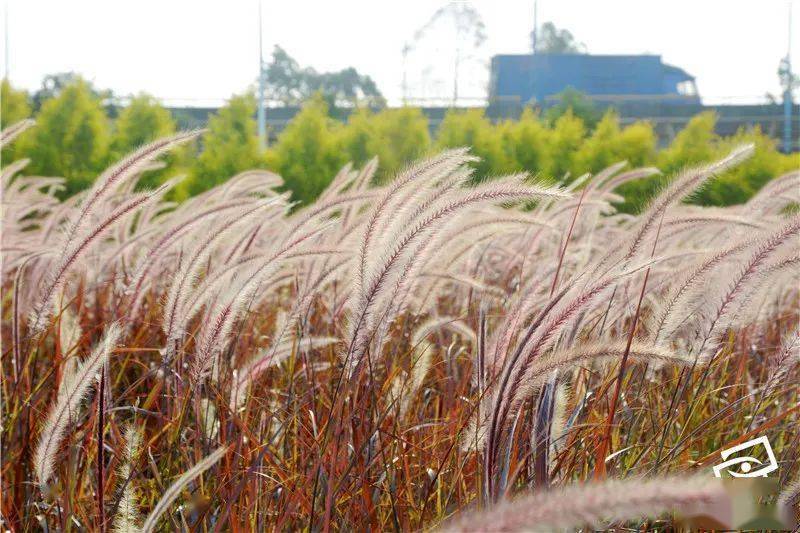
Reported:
(540, 77)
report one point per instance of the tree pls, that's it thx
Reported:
(469, 33)
(566, 137)
(405, 134)
(473, 130)
(609, 144)
(551, 40)
(694, 144)
(526, 143)
(358, 138)
(738, 184)
(286, 81)
(14, 104)
(53, 84)
(307, 155)
(346, 88)
(698, 144)
(290, 84)
(637, 144)
(71, 138)
(396, 136)
(571, 99)
(230, 146)
(142, 121)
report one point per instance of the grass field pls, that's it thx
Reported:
(401, 357)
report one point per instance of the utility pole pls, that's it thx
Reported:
(262, 112)
(535, 25)
(406, 50)
(6, 45)
(788, 83)
(455, 76)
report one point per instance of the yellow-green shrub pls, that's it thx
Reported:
(609, 144)
(472, 129)
(566, 137)
(698, 143)
(14, 104)
(71, 137)
(526, 142)
(396, 136)
(740, 183)
(229, 147)
(307, 153)
(695, 143)
(142, 121)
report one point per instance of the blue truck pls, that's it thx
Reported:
(538, 78)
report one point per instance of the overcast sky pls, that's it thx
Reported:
(199, 52)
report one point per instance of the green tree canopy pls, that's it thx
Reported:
(357, 139)
(473, 130)
(609, 144)
(637, 144)
(53, 84)
(292, 85)
(741, 182)
(396, 136)
(566, 136)
(14, 105)
(574, 101)
(142, 121)
(695, 143)
(552, 40)
(526, 143)
(74, 138)
(230, 146)
(406, 134)
(307, 154)
(71, 137)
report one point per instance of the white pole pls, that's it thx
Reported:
(787, 93)
(406, 49)
(262, 118)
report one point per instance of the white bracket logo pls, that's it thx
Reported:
(747, 462)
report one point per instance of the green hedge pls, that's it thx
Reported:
(76, 138)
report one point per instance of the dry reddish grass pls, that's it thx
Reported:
(377, 430)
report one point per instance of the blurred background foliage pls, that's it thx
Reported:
(230, 146)
(79, 133)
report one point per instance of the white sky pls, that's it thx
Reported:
(200, 52)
